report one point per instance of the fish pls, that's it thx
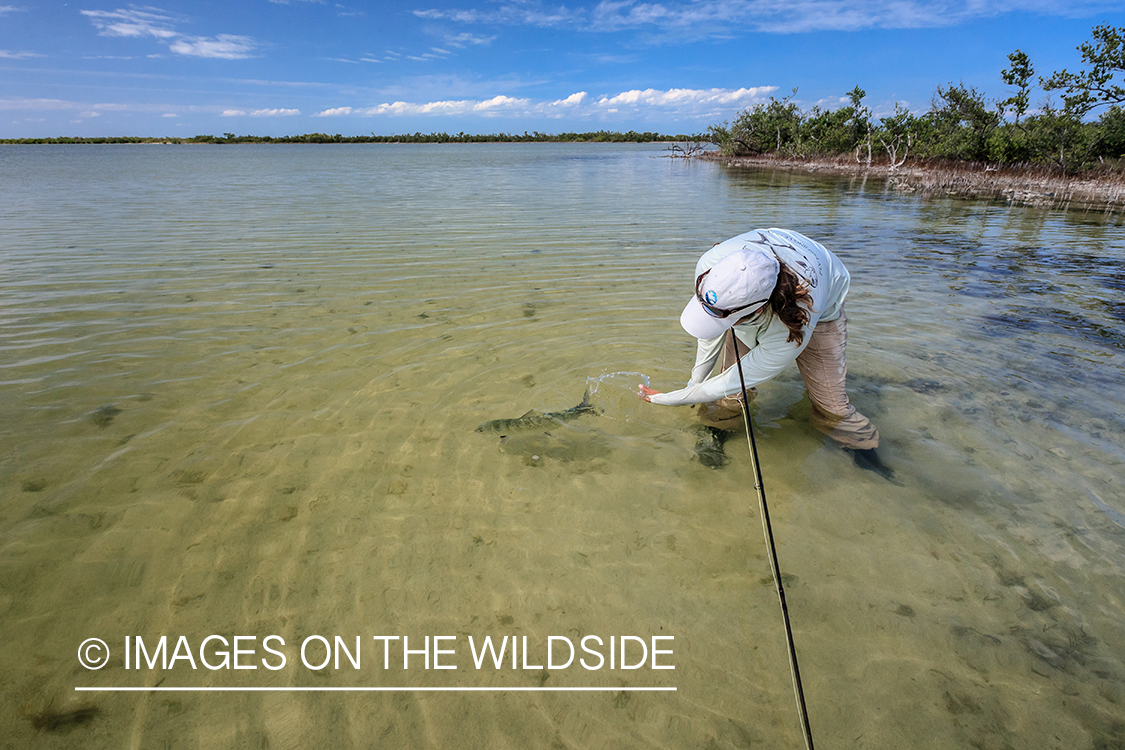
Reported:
(537, 419)
(709, 447)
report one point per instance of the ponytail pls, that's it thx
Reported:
(791, 302)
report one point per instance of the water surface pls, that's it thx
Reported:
(238, 393)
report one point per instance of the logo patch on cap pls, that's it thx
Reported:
(711, 297)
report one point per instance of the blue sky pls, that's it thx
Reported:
(277, 67)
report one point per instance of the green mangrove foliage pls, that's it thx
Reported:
(961, 124)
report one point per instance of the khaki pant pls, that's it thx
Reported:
(823, 367)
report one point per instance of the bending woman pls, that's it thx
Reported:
(783, 294)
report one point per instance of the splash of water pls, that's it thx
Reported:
(616, 381)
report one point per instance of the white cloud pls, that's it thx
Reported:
(10, 9)
(694, 18)
(133, 22)
(531, 14)
(488, 107)
(39, 104)
(260, 113)
(169, 114)
(22, 55)
(465, 38)
(571, 101)
(498, 102)
(686, 103)
(156, 23)
(687, 97)
(223, 47)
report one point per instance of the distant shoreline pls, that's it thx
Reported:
(600, 136)
(1031, 186)
(1025, 185)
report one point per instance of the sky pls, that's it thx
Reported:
(285, 67)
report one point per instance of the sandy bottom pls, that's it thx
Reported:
(271, 499)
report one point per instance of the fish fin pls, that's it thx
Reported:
(587, 404)
(531, 413)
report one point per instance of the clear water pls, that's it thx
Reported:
(238, 393)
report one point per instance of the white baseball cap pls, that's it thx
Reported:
(739, 283)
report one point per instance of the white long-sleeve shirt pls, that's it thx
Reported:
(764, 334)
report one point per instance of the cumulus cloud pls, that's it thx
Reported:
(680, 97)
(494, 106)
(686, 103)
(571, 101)
(156, 23)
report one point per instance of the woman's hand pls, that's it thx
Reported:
(646, 393)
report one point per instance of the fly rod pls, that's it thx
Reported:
(767, 530)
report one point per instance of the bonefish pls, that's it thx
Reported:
(534, 419)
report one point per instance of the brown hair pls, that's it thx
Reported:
(789, 294)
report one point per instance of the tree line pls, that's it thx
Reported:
(600, 136)
(962, 124)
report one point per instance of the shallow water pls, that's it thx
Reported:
(238, 393)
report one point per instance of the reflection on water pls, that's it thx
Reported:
(238, 394)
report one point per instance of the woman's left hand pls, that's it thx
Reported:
(646, 393)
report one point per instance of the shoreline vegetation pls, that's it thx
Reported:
(1067, 154)
(1025, 184)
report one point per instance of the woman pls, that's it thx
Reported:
(783, 294)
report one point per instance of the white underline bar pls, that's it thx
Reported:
(369, 689)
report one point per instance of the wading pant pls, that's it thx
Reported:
(823, 367)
